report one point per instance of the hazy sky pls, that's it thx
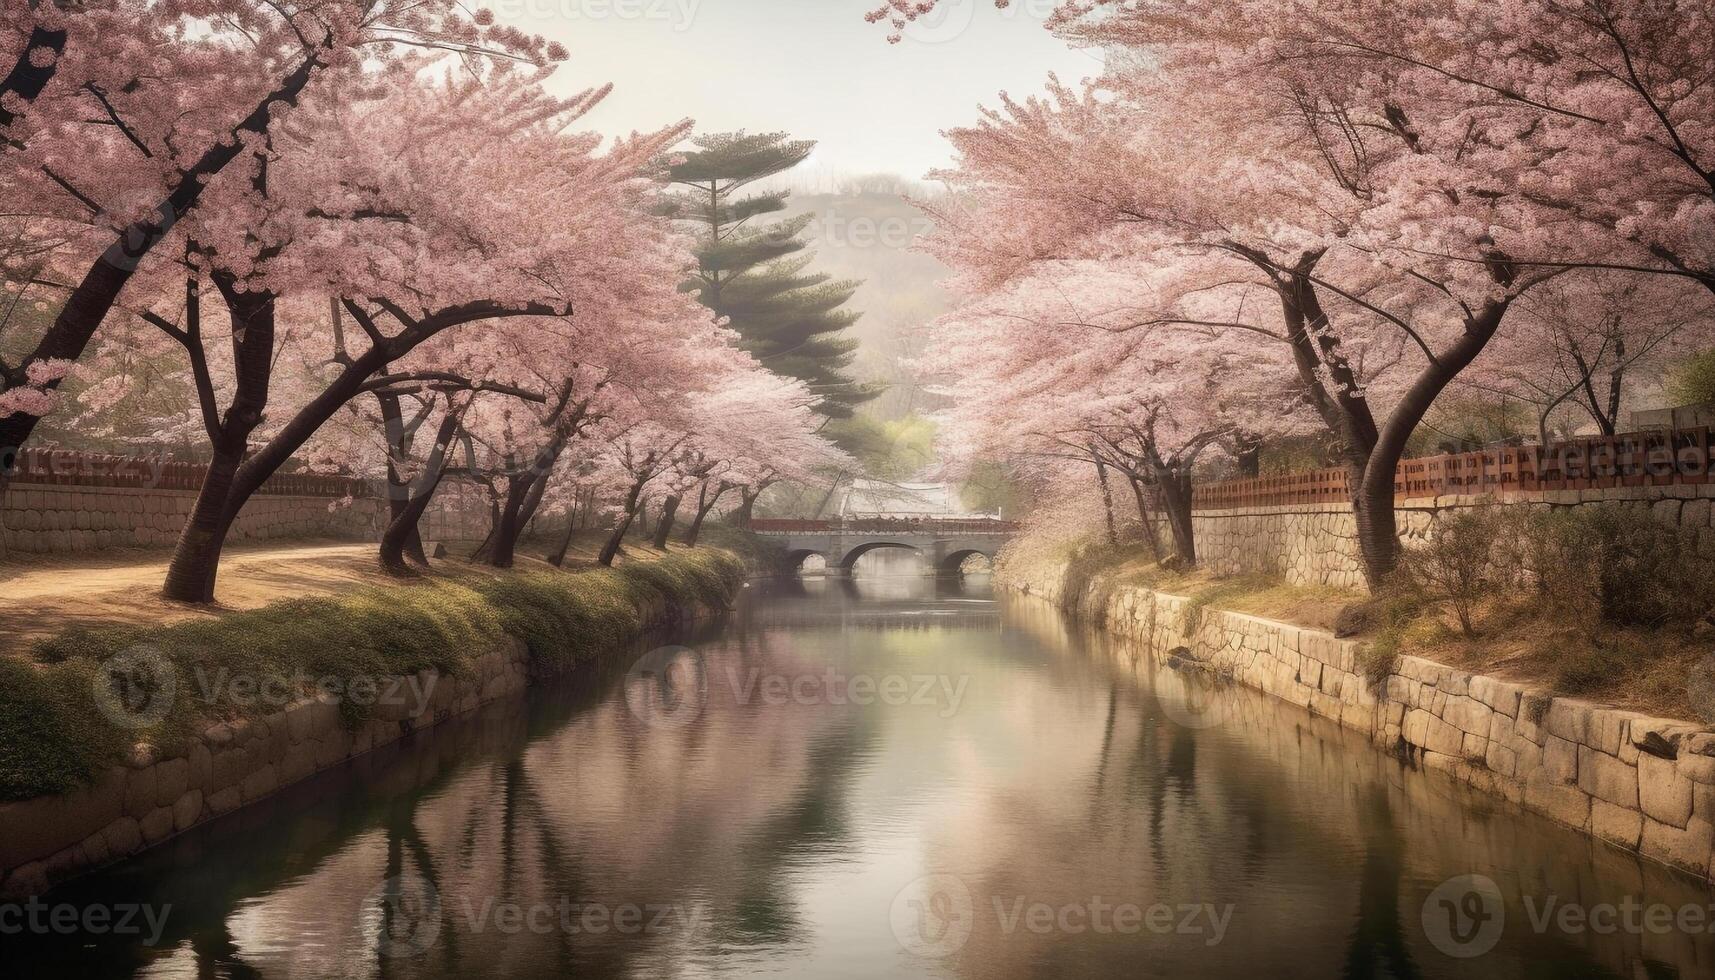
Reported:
(811, 67)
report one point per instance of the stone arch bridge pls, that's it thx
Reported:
(943, 542)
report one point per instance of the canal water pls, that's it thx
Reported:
(892, 776)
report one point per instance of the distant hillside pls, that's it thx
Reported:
(867, 231)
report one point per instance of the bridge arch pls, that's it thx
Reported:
(955, 560)
(796, 558)
(851, 557)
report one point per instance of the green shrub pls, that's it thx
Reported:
(1692, 381)
(562, 618)
(1379, 658)
(1462, 564)
(51, 737)
(1600, 665)
(1394, 607)
(1557, 549)
(764, 554)
(1619, 563)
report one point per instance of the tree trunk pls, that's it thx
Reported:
(503, 546)
(1378, 530)
(610, 549)
(402, 541)
(614, 540)
(669, 510)
(1176, 500)
(483, 549)
(398, 488)
(1373, 501)
(1247, 454)
(401, 533)
(412, 546)
(1107, 500)
(746, 507)
(203, 552)
(558, 558)
(1149, 536)
(196, 558)
(523, 497)
(705, 504)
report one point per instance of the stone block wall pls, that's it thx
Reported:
(1638, 782)
(152, 797)
(157, 795)
(1317, 544)
(64, 519)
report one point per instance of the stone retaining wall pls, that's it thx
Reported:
(155, 796)
(1641, 783)
(1317, 544)
(63, 519)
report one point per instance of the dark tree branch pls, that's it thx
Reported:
(113, 114)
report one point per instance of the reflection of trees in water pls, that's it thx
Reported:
(566, 802)
(550, 820)
(212, 874)
(818, 819)
(1377, 948)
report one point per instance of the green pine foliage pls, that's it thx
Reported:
(756, 273)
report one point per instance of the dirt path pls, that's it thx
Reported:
(42, 597)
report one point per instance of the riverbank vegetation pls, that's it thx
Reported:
(1603, 602)
(87, 697)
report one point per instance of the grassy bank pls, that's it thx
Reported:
(1602, 603)
(1316, 606)
(57, 728)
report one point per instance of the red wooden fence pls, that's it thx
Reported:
(1665, 457)
(64, 467)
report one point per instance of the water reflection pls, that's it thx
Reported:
(872, 776)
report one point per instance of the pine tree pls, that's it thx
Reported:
(757, 273)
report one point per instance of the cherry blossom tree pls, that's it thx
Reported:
(1057, 364)
(1581, 346)
(147, 104)
(1229, 197)
(416, 236)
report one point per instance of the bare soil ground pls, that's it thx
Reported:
(42, 595)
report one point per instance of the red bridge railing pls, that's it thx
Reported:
(70, 468)
(885, 525)
(1666, 457)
